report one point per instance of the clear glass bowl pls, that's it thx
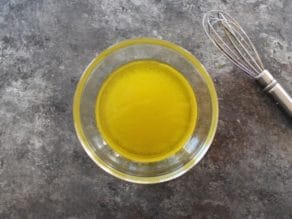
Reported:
(84, 110)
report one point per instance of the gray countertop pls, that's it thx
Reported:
(45, 173)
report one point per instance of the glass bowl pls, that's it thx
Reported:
(85, 100)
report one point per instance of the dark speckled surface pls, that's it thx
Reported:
(44, 172)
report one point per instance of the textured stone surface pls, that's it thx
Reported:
(44, 172)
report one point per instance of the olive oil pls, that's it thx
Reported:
(146, 110)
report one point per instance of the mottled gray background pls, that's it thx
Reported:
(44, 172)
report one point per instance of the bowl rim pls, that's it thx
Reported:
(90, 151)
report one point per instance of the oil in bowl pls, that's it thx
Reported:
(146, 110)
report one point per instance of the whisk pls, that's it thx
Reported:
(231, 39)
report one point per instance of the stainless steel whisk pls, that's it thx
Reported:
(231, 39)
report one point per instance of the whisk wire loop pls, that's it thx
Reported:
(232, 40)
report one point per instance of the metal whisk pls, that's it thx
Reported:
(231, 39)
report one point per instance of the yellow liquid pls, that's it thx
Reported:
(146, 111)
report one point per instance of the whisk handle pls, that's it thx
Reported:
(272, 87)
